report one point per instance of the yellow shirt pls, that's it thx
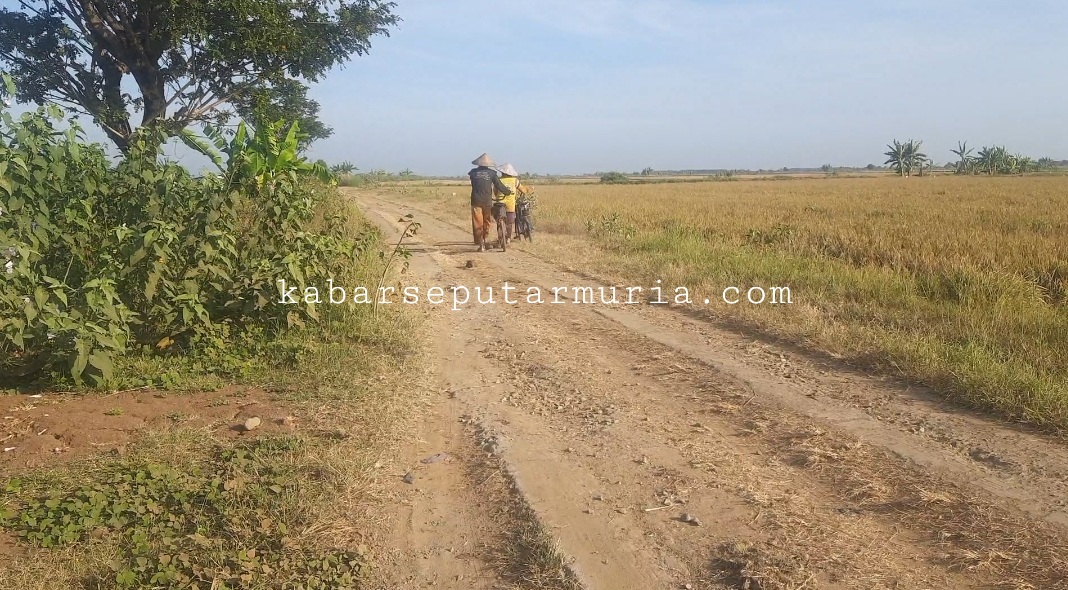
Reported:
(509, 201)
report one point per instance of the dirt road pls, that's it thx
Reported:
(659, 450)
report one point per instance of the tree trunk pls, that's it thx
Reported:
(112, 111)
(150, 83)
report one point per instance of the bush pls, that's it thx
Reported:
(99, 257)
(228, 519)
(614, 178)
(353, 180)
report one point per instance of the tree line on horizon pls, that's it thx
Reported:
(905, 157)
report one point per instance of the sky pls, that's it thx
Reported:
(581, 86)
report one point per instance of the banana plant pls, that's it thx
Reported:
(1025, 164)
(994, 160)
(344, 168)
(898, 157)
(903, 157)
(258, 155)
(965, 159)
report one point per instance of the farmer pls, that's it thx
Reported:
(510, 179)
(485, 182)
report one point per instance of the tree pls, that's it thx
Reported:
(190, 60)
(897, 157)
(917, 159)
(1025, 164)
(647, 172)
(965, 159)
(1046, 164)
(285, 100)
(343, 168)
(923, 163)
(903, 157)
(614, 178)
(993, 160)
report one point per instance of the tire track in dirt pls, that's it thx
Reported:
(600, 423)
(1027, 468)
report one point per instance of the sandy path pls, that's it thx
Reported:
(799, 473)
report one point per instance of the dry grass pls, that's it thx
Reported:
(526, 553)
(961, 283)
(974, 536)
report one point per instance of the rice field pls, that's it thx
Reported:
(957, 282)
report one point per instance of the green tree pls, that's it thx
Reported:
(917, 159)
(284, 100)
(1025, 164)
(614, 178)
(993, 160)
(897, 157)
(923, 163)
(191, 61)
(965, 159)
(1046, 164)
(647, 172)
(903, 157)
(343, 168)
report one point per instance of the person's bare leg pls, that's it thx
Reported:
(476, 225)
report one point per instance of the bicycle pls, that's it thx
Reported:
(524, 226)
(500, 214)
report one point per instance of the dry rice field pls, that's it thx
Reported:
(958, 283)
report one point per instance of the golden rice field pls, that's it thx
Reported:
(959, 282)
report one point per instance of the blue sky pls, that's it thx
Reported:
(593, 85)
(557, 86)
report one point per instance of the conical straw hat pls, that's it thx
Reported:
(483, 160)
(508, 170)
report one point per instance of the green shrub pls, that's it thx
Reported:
(232, 520)
(98, 257)
(614, 178)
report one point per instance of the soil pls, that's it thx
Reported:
(664, 450)
(50, 429)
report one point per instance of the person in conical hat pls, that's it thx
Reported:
(510, 179)
(485, 184)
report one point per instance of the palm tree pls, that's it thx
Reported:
(965, 159)
(1046, 164)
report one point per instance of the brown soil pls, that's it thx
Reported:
(662, 450)
(49, 429)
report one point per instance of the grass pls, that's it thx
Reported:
(957, 282)
(185, 506)
(527, 553)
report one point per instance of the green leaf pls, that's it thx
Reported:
(81, 360)
(138, 256)
(102, 362)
